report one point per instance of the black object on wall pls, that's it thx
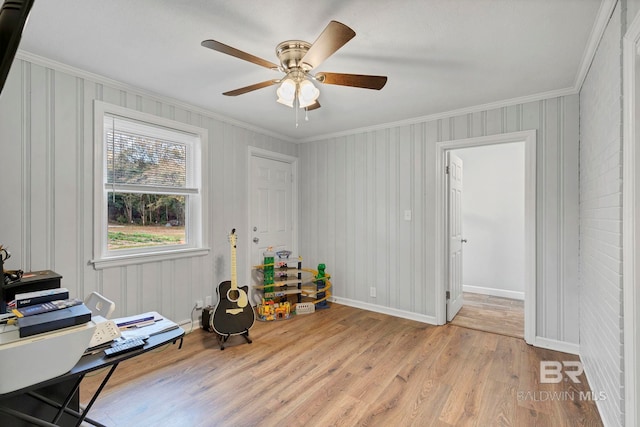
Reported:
(13, 17)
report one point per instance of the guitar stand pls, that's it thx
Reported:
(222, 339)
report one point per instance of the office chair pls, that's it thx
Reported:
(99, 305)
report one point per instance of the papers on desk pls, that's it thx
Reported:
(136, 321)
(134, 327)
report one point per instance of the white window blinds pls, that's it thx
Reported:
(138, 155)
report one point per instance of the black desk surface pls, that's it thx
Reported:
(93, 362)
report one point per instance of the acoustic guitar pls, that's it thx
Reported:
(234, 314)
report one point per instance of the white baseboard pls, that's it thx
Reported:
(188, 326)
(563, 346)
(494, 292)
(385, 310)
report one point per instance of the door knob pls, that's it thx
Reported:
(256, 240)
(463, 241)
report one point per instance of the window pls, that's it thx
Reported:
(148, 187)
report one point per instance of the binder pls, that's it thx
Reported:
(40, 297)
(46, 322)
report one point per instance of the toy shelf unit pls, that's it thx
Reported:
(281, 285)
(287, 288)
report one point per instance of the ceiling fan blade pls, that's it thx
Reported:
(355, 80)
(333, 37)
(256, 86)
(313, 106)
(221, 47)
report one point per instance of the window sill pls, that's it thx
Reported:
(135, 259)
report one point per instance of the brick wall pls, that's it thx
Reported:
(601, 345)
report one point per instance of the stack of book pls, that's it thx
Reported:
(45, 311)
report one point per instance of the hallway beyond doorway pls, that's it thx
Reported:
(489, 313)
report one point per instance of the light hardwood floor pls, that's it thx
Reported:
(348, 367)
(491, 314)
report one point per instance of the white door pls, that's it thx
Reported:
(271, 213)
(454, 180)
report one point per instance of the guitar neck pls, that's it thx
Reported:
(234, 278)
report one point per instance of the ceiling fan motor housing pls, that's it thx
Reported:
(291, 53)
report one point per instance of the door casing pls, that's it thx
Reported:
(630, 213)
(441, 240)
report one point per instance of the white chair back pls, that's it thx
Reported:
(99, 305)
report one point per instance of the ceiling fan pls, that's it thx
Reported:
(297, 59)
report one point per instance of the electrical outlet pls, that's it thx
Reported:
(199, 304)
(372, 292)
(207, 300)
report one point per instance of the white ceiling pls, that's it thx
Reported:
(439, 55)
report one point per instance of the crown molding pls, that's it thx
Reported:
(597, 31)
(447, 114)
(77, 72)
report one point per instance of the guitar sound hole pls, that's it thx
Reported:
(233, 295)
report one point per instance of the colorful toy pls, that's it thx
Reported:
(270, 310)
(320, 287)
(266, 310)
(283, 254)
(279, 282)
(267, 271)
(283, 310)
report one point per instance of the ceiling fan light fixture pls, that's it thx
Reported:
(285, 102)
(287, 92)
(307, 93)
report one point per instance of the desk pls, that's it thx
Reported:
(71, 382)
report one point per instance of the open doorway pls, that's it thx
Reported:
(443, 252)
(492, 224)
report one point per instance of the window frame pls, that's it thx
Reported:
(195, 207)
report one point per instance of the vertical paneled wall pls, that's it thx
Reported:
(353, 193)
(601, 305)
(46, 189)
(356, 188)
